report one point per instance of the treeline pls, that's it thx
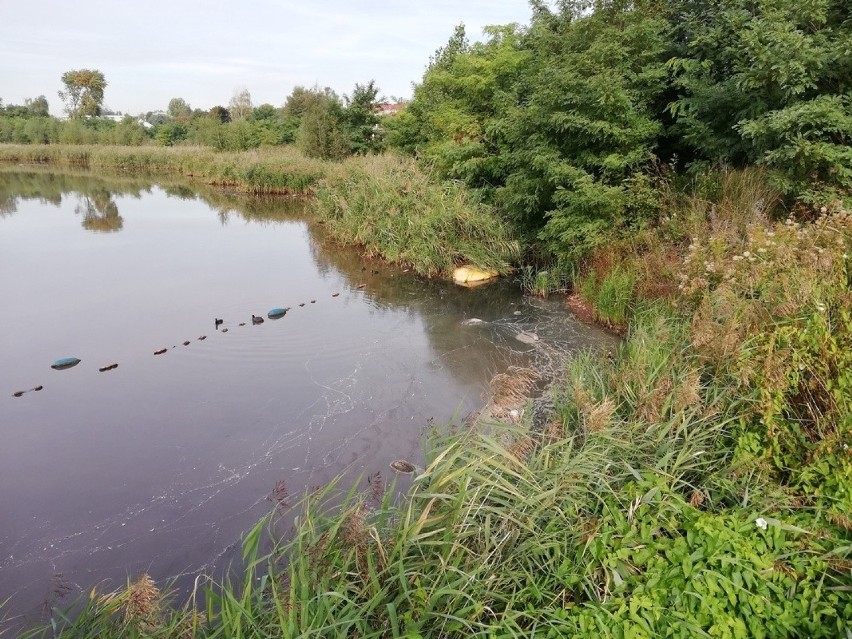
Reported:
(569, 125)
(319, 121)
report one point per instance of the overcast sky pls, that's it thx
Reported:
(204, 50)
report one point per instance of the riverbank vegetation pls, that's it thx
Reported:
(686, 168)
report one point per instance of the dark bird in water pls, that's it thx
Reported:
(39, 387)
(256, 320)
(201, 338)
(335, 294)
(224, 330)
(18, 393)
(302, 304)
(186, 343)
(242, 323)
(218, 322)
(161, 351)
(313, 301)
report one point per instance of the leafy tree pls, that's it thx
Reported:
(767, 82)
(84, 92)
(362, 123)
(301, 99)
(264, 112)
(179, 110)
(38, 107)
(240, 105)
(321, 132)
(221, 114)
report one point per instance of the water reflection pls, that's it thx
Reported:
(99, 211)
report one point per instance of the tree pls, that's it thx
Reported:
(320, 133)
(361, 119)
(240, 105)
(221, 114)
(38, 107)
(301, 99)
(179, 110)
(84, 92)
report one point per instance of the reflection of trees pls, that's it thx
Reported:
(99, 211)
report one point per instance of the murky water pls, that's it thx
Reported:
(160, 464)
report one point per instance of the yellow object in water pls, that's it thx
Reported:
(472, 275)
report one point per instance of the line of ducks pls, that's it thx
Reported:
(275, 313)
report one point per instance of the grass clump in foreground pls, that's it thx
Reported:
(393, 208)
(698, 485)
(271, 170)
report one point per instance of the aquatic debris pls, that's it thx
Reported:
(526, 337)
(471, 275)
(402, 466)
(65, 362)
(161, 351)
(108, 367)
(201, 338)
(473, 321)
(256, 320)
(276, 313)
(187, 343)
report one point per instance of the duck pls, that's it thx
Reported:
(256, 320)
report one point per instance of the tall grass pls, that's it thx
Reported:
(628, 512)
(280, 170)
(390, 206)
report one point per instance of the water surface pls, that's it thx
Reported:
(161, 463)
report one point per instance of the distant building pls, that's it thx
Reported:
(388, 108)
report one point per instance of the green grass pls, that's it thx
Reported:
(393, 208)
(279, 170)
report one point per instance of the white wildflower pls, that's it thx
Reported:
(761, 523)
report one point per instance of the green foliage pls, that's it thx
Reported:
(321, 133)
(84, 92)
(767, 82)
(393, 209)
(362, 123)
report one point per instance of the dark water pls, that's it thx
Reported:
(160, 464)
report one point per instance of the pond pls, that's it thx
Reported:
(159, 464)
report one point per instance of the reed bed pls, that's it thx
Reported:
(273, 171)
(394, 208)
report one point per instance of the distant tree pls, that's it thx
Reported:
(240, 104)
(84, 92)
(321, 132)
(221, 114)
(38, 107)
(301, 99)
(264, 112)
(361, 119)
(179, 110)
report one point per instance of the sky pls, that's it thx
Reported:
(205, 50)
